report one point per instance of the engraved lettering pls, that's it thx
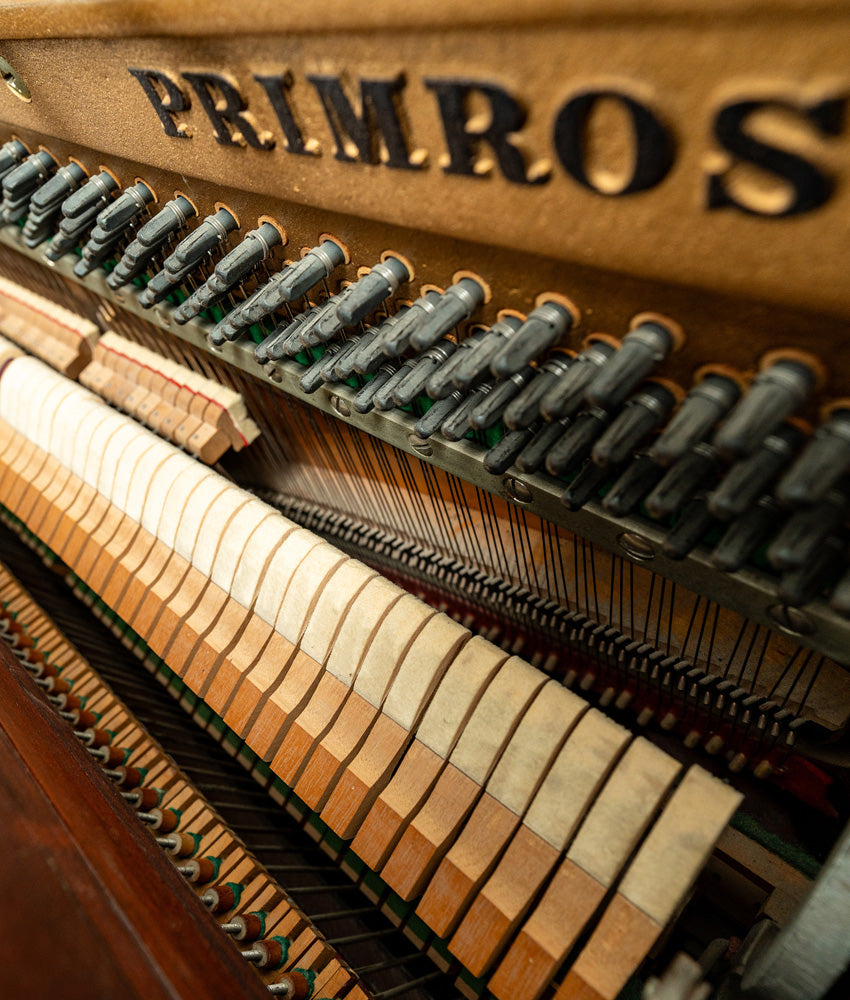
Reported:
(167, 104)
(652, 143)
(806, 186)
(226, 109)
(277, 89)
(466, 138)
(359, 135)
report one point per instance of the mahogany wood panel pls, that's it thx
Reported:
(91, 906)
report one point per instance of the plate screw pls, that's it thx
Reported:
(636, 546)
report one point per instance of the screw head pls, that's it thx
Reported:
(13, 80)
(636, 546)
(791, 619)
(517, 490)
(422, 446)
(340, 406)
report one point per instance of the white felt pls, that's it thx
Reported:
(369, 608)
(495, 717)
(575, 777)
(542, 730)
(387, 647)
(330, 609)
(458, 693)
(423, 665)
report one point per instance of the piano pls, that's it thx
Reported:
(424, 478)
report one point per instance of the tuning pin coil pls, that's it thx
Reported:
(779, 389)
(231, 270)
(643, 348)
(455, 305)
(565, 397)
(170, 219)
(645, 411)
(187, 255)
(490, 410)
(703, 407)
(749, 479)
(524, 410)
(543, 327)
(824, 460)
(576, 444)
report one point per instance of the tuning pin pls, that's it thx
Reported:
(544, 325)
(823, 461)
(458, 424)
(271, 349)
(398, 337)
(79, 210)
(290, 283)
(641, 415)
(803, 583)
(299, 339)
(92, 195)
(682, 479)
(338, 360)
(11, 154)
(370, 356)
(456, 304)
(695, 521)
(231, 270)
(424, 367)
(385, 398)
(703, 407)
(329, 324)
(566, 396)
(489, 411)
(127, 206)
(20, 183)
(193, 248)
(46, 203)
(240, 317)
(533, 455)
(312, 378)
(441, 383)
(476, 363)
(244, 314)
(746, 534)
(364, 400)
(642, 349)
(576, 444)
(313, 267)
(806, 530)
(187, 255)
(344, 367)
(111, 222)
(370, 291)
(776, 392)
(437, 414)
(587, 485)
(749, 479)
(524, 410)
(170, 219)
(503, 454)
(636, 481)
